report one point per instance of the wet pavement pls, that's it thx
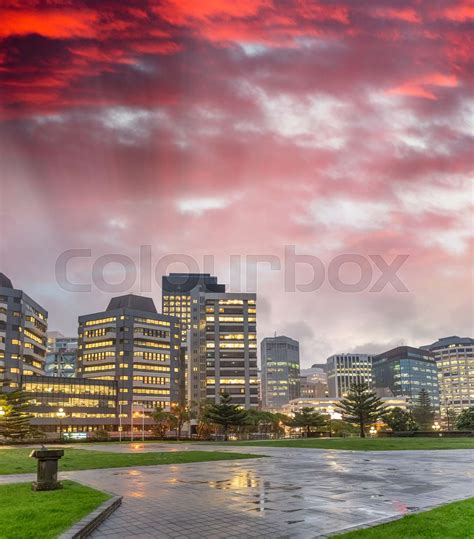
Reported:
(300, 493)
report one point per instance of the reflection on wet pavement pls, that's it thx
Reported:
(301, 493)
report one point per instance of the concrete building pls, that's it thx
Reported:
(23, 325)
(280, 359)
(343, 370)
(61, 356)
(222, 348)
(454, 358)
(404, 371)
(132, 344)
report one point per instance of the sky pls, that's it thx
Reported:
(220, 131)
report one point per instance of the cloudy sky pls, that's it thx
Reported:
(236, 128)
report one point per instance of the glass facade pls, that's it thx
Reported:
(405, 371)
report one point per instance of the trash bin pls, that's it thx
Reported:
(47, 473)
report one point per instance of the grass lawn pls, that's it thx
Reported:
(16, 460)
(368, 444)
(25, 514)
(453, 521)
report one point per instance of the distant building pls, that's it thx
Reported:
(222, 348)
(132, 344)
(23, 325)
(343, 370)
(328, 405)
(404, 372)
(61, 355)
(280, 357)
(455, 362)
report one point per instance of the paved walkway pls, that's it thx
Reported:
(300, 493)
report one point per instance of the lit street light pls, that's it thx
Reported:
(61, 414)
(373, 431)
(436, 426)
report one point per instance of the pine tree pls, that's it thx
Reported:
(226, 414)
(361, 406)
(16, 422)
(307, 419)
(422, 411)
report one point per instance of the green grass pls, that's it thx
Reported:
(25, 514)
(368, 444)
(453, 521)
(13, 461)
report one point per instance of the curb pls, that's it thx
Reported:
(93, 520)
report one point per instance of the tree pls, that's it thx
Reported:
(164, 421)
(16, 420)
(264, 422)
(451, 418)
(422, 411)
(307, 418)
(226, 414)
(465, 420)
(399, 420)
(181, 415)
(361, 406)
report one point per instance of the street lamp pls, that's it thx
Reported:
(2, 411)
(61, 414)
(372, 431)
(330, 412)
(436, 426)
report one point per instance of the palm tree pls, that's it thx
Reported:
(361, 406)
(226, 414)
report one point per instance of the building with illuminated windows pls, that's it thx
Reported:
(280, 357)
(222, 348)
(454, 358)
(61, 355)
(343, 370)
(404, 371)
(132, 344)
(23, 325)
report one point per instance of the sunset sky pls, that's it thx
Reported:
(235, 128)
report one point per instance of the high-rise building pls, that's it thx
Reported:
(222, 348)
(404, 371)
(343, 370)
(176, 295)
(131, 343)
(61, 355)
(455, 361)
(280, 357)
(23, 325)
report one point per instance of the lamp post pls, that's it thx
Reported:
(2, 411)
(436, 426)
(61, 414)
(372, 431)
(330, 412)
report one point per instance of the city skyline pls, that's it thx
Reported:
(218, 128)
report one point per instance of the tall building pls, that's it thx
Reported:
(404, 372)
(280, 357)
(23, 325)
(343, 370)
(222, 348)
(132, 344)
(455, 362)
(61, 356)
(176, 291)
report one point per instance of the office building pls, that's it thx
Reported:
(329, 405)
(343, 370)
(61, 355)
(454, 358)
(280, 357)
(404, 372)
(176, 295)
(222, 348)
(88, 405)
(23, 325)
(132, 344)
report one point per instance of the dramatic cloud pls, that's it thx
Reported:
(236, 128)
